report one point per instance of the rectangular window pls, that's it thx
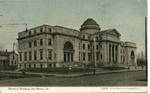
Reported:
(88, 46)
(34, 65)
(83, 36)
(30, 55)
(35, 54)
(88, 37)
(89, 56)
(83, 56)
(41, 54)
(35, 43)
(49, 29)
(41, 30)
(30, 33)
(49, 54)
(25, 56)
(97, 56)
(97, 47)
(96, 38)
(83, 46)
(41, 42)
(30, 44)
(65, 56)
(35, 31)
(49, 42)
(20, 56)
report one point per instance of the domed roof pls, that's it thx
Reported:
(89, 24)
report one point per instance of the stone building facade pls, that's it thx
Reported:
(8, 59)
(56, 46)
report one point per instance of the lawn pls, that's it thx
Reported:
(114, 79)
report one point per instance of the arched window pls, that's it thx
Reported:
(68, 46)
(132, 54)
(132, 57)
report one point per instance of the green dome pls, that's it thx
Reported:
(90, 24)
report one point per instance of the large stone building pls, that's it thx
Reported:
(56, 46)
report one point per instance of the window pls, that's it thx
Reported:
(35, 43)
(65, 54)
(41, 65)
(49, 29)
(30, 44)
(49, 42)
(25, 56)
(35, 31)
(30, 55)
(100, 46)
(97, 47)
(41, 42)
(41, 54)
(35, 54)
(20, 56)
(29, 65)
(89, 56)
(83, 46)
(83, 56)
(96, 38)
(97, 56)
(34, 65)
(50, 65)
(88, 37)
(49, 54)
(41, 30)
(30, 33)
(88, 46)
(100, 38)
(83, 36)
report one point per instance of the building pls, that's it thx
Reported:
(8, 59)
(56, 46)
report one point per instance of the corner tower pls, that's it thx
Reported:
(90, 26)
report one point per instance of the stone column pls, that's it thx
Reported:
(110, 54)
(66, 57)
(114, 54)
(116, 49)
(118, 54)
(112, 58)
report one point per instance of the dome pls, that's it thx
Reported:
(90, 24)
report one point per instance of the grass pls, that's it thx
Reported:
(67, 71)
(114, 79)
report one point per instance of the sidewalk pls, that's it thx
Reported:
(70, 75)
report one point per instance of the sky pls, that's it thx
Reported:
(127, 16)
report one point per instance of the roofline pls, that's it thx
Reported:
(66, 28)
(35, 27)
